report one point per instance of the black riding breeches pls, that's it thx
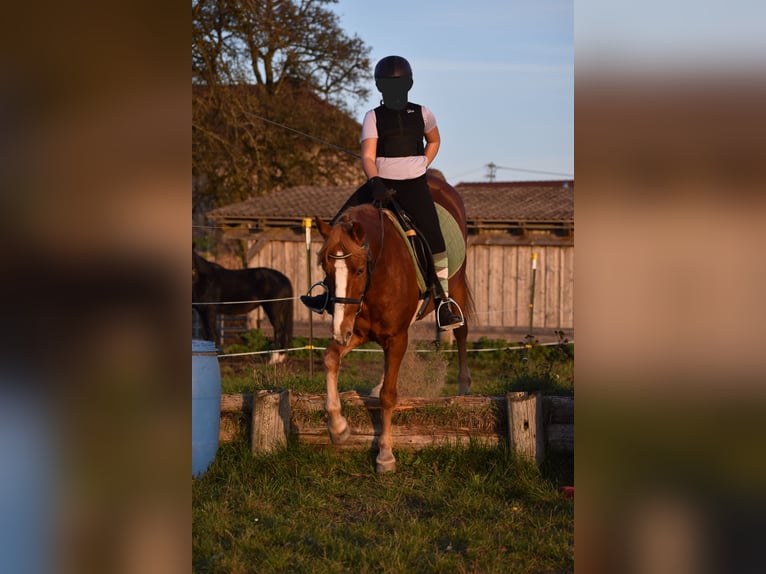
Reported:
(415, 199)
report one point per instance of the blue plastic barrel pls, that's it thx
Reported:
(206, 405)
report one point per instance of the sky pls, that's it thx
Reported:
(672, 36)
(498, 75)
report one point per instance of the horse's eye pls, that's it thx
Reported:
(360, 271)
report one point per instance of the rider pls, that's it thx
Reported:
(395, 158)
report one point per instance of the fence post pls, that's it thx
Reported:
(525, 424)
(307, 226)
(532, 293)
(270, 420)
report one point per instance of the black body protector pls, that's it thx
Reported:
(400, 132)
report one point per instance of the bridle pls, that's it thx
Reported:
(370, 268)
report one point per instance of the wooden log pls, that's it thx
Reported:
(525, 432)
(411, 433)
(316, 402)
(231, 428)
(411, 437)
(560, 437)
(270, 420)
(558, 410)
(238, 402)
(558, 422)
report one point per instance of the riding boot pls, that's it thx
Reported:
(318, 303)
(446, 318)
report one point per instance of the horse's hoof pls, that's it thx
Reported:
(464, 390)
(341, 437)
(385, 466)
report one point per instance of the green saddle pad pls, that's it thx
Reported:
(453, 239)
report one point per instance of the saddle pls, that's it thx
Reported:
(420, 252)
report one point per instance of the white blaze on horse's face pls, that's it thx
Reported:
(341, 284)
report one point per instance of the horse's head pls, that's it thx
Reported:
(345, 258)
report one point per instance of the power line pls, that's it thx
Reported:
(494, 167)
(315, 138)
(453, 177)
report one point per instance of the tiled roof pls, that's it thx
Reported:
(532, 201)
(495, 204)
(293, 202)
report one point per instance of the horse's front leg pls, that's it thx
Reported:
(210, 325)
(336, 423)
(394, 350)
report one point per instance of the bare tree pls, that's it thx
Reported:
(285, 60)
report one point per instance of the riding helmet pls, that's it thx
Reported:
(393, 78)
(393, 67)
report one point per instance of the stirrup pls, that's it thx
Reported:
(450, 326)
(307, 297)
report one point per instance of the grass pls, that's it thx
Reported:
(308, 509)
(536, 367)
(446, 509)
(549, 369)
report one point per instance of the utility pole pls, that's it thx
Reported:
(491, 168)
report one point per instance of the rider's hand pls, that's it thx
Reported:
(379, 190)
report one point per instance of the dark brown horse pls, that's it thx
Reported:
(373, 285)
(245, 289)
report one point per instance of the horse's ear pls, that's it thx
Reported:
(357, 232)
(324, 228)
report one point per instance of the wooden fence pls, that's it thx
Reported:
(532, 423)
(500, 274)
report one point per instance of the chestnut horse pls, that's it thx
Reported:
(373, 287)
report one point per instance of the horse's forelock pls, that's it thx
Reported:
(340, 240)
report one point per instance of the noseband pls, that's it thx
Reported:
(370, 268)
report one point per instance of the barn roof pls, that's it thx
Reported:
(496, 205)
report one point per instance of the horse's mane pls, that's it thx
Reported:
(203, 264)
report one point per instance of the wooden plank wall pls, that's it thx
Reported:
(499, 273)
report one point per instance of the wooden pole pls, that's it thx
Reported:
(270, 420)
(525, 425)
(532, 293)
(307, 227)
